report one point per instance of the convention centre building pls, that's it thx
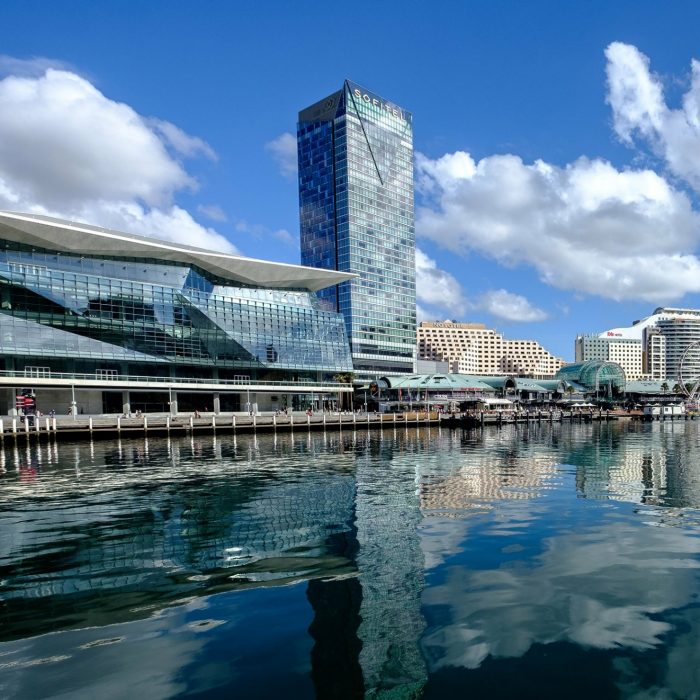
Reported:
(100, 321)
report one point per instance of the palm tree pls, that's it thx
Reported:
(664, 387)
(344, 378)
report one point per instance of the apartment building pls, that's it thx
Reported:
(472, 348)
(655, 364)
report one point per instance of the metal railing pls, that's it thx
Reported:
(27, 377)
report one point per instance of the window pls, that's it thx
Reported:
(30, 371)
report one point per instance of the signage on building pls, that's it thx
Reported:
(376, 102)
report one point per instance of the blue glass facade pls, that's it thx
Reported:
(356, 211)
(69, 312)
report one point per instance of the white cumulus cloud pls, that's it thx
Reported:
(213, 212)
(284, 151)
(181, 142)
(263, 232)
(641, 114)
(587, 226)
(510, 307)
(437, 292)
(423, 314)
(69, 151)
(30, 67)
(435, 287)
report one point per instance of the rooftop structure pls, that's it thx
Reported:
(460, 388)
(437, 382)
(86, 240)
(637, 328)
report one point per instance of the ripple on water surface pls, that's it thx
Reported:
(531, 562)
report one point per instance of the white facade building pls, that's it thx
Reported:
(626, 352)
(662, 338)
(655, 354)
(679, 334)
(471, 348)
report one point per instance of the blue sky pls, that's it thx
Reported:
(559, 164)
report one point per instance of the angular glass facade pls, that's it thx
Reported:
(69, 312)
(356, 210)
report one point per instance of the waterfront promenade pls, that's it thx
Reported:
(164, 424)
(108, 426)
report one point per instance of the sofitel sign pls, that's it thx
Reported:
(376, 102)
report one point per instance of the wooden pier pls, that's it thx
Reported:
(555, 416)
(96, 427)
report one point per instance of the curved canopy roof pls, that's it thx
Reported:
(436, 382)
(472, 382)
(500, 382)
(72, 237)
(507, 381)
(554, 385)
(652, 386)
(594, 374)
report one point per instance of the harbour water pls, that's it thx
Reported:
(534, 561)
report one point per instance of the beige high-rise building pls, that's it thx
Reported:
(471, 348)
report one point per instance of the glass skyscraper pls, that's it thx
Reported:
(356, 208)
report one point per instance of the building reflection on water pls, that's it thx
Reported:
(133, 526)
(110, 532)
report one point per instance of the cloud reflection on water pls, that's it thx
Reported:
(608, 579)
(450, 548)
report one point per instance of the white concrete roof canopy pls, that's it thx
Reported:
(74, 237)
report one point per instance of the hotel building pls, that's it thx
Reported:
(106, 321)
(355, 154)
(471, 348)
(626, 352)
(652, 347)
